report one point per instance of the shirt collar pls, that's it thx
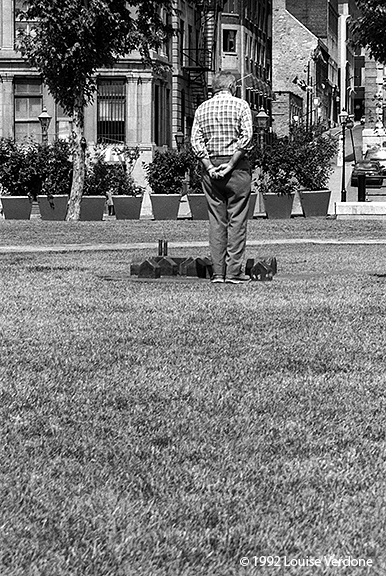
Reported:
(222, 93)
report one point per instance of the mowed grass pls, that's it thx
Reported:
(36, 232)
(174, 427)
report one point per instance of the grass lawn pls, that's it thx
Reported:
(173, 428)
(38, 233)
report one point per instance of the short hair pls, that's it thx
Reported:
(223, 81)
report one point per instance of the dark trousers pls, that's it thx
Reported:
(228, 203)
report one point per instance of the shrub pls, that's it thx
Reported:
(104, 178)
(30, 169)
(276, 165)
(57, 170)
(166, 172)
(312, 156)
(302, 159)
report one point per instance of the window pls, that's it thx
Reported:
(182, 42)
(111, 110)
(63, 124)
(157, 107)
(229, 41)
(231, 6)
(25, 25)
(161, 110)
(28, 106)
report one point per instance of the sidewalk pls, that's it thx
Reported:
(197, 244)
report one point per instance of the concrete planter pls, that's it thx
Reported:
(278, 207)
(165, 206)
(56, 210)
(198, 206)
(315, 202)
(252, 205)
(16, 207)
(92, 208)
(127, 207)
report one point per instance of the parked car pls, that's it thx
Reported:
(373, 171)
(377, 154)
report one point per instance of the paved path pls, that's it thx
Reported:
(154, 245)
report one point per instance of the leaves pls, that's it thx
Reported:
(167, 170)
(369, 28)
(29, 168)
(301, 159)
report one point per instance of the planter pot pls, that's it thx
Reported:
(278, 207)
(315, 202)
(92, 208)
(165, 206)
(16, 207)
(127, 207)
(198, 206)
(252, 205)
(56, 211)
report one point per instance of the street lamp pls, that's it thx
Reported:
(44, 119)
(346, 121)
(179, 138)
(262, 121)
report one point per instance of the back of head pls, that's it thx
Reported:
(224, 81)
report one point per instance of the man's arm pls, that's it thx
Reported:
(199, 148)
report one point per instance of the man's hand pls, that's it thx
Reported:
(223, 170)
(213, 173)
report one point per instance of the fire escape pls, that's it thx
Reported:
(200, 61)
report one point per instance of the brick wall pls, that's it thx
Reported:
(313, 13)
(292, 50)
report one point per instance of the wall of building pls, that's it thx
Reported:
(250, 55)
(374, 133)
(319, 16)
(292, 63)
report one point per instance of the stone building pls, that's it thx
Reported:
(246, 49)
(362, 81)
(305, 62)
(349, 72)
(374, 133)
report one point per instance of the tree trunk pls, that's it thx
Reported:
(78, 165)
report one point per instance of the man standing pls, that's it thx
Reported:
(222, 132)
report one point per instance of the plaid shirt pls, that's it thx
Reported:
(222, 125)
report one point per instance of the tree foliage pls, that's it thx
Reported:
(369, 28)
(71, 39)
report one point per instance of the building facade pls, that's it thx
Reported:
(137, 106)
(246, 49)
(305, 63)
(132, 104)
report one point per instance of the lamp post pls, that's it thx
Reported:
(262, 120)
(179, 137)
(44, 119)
(346, 121)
